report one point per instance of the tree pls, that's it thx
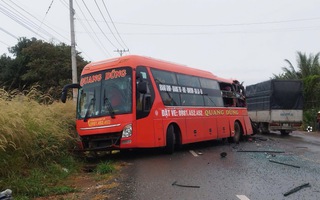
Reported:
(308, 70)
(38, 62)
(306, 66)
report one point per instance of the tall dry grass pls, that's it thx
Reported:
(34, 130)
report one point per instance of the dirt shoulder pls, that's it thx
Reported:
(90, 185)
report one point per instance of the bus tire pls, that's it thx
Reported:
(170, 140)
(237, 132)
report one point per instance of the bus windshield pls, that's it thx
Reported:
(105, 93)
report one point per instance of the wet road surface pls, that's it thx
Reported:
(254, 169)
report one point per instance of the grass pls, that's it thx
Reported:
(36, 136)
(105, 168)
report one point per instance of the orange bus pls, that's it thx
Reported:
(141, 102)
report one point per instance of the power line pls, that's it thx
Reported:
(37, 27)
(46, 14)
(231, 24)
(107, 24)
(99, 43)
(7, 32)
(114, 24)
(98, 24)
(20, 20)
(309, 28)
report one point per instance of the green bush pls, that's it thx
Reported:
(310, 118)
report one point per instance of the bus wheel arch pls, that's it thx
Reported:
(173, 138)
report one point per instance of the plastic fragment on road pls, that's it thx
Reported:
(281, 163)
(296, 189)
(260, 151)
(188, 186)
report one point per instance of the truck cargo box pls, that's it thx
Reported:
(275, 94)
(276, 105)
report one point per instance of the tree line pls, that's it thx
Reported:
(35, 62)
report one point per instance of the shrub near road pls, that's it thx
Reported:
(35, 143)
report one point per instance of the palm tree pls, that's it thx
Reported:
(306, 66)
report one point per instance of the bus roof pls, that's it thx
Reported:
(136, 60)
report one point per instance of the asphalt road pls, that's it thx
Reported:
(265, 167)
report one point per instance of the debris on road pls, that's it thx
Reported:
(262, 138)
(255, 138)
(301, 147)
(273, 161)
(296, 189)
(188, 186)
(260, 151)
(223, 154)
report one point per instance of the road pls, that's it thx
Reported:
(199, 172)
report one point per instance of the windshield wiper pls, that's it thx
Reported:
(85, 119)
(92, 102)
(107, 102)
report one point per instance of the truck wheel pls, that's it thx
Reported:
(170, 140)
(284, 132)
(264, 128)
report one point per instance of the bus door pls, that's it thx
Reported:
(145, 136)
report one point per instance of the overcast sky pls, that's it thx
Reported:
(246, 40)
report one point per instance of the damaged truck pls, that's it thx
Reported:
(275, 105)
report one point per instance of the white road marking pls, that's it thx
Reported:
(193, 153)
(242, 197)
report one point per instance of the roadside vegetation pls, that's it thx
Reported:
(307, 69)
(36, 143)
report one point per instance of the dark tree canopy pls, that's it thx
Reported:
(37, 62)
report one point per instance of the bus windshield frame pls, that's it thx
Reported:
(105, 93)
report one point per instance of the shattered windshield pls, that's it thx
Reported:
(105, 93)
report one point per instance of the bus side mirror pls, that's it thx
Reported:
(65, 91)
(142, 87)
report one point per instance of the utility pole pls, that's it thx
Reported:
(121, 51)
(73, 51)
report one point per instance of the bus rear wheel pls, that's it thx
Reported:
(237, 133)
(170, 140)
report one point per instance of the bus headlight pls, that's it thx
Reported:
(127, 131)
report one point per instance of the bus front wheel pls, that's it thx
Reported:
(170, 140)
